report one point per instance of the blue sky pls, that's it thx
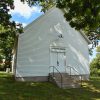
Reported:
(25, 15)
(94, 55)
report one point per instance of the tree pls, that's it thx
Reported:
(82, 14)
(6, 45)
(5, 6)
(8, 30)
(95, 64)
(98, 49)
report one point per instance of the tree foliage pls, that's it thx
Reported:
(98, 49)
(8, 31)
(6, 46)
(95, 66)
(82, 14)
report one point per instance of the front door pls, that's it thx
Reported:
(58, 60)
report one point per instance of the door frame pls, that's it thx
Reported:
(57, 49)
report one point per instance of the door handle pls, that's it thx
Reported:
(57, 63)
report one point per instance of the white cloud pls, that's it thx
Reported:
(23, 24)
(24, 10)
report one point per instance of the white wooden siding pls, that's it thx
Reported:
(33, 56)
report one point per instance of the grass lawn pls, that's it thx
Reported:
(12, 90)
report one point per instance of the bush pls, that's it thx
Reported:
(95, 66)
(93, 71)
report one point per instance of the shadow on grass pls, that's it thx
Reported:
(12, 90)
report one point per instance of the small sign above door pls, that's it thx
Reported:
(57, 49)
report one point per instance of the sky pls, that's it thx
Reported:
(24, 14)
(94, 53)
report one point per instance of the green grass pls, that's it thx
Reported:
(12, 90)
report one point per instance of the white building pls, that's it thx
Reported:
(50, 41)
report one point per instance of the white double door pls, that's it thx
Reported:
(58, 59)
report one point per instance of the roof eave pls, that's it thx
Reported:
(86, 38)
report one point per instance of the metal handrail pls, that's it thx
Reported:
(58, 72)
(75, 71)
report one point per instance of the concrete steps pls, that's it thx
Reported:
(68, 81)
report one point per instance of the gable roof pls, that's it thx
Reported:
(35, 21)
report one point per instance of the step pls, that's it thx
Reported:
(58, 75)
(67, 80)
